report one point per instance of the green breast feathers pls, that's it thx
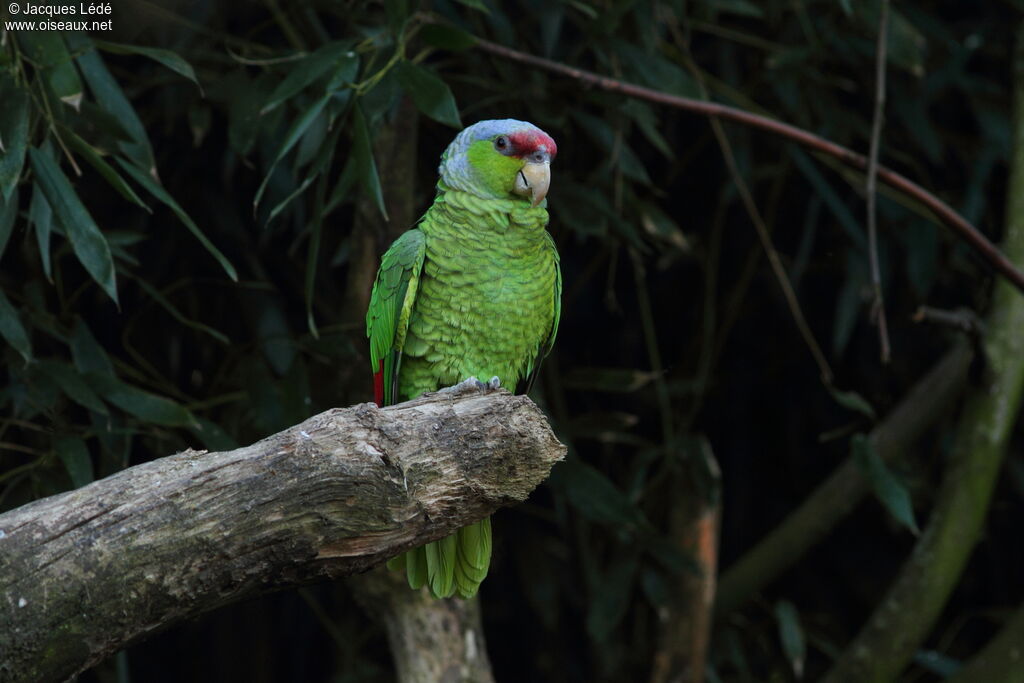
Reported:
(473, 291)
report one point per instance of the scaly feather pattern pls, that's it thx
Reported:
(473, 291)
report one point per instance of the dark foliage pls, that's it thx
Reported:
(176, 253)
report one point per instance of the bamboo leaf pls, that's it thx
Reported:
(431, 95)
(109, 96)
(608, 606)
(291, 137)
(309, 69)
(363, 163)
(50, 55)
(106, 170)
(162, 195)
(144, 405)
(71, 382)
(887, 488)
(170, 59)
(41, 216)
(791, 635)
(72, 452)
(87, 241)
(447, 37)
(12, 330)
(86, 352)
(851, 400)
(8, 213)
(13, 135)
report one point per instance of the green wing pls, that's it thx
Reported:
(387, 318)
(545, 348)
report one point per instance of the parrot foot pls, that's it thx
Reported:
(471, 385)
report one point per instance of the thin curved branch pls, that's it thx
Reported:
(87, 572)
(878, 307)
(945, 213)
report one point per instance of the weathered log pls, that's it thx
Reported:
(87, 572)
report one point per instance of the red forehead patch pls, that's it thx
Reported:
(529, 141)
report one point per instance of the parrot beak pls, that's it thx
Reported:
(533, 181)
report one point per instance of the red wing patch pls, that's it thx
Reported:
(378, 384)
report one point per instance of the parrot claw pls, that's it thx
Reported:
(470, 385)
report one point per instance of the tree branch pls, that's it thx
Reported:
(945, 213)
(1001, 659)
(85, 573)
(878, 306)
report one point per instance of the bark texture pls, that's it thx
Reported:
(431, 640)
(85, 573)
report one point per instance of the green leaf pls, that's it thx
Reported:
(475, 4)
(213, 436)
(791, 635)
(109, 96)
(87, 353)
(41, 216)
(144, 405)
(295, 132)
(397, 12)
(344, 74)
(297, 192)
(8, 214)
(595, 496)
(71, 382)
(169, 59)
(47, 51)
(938, 663)
(162, 195)
(87, 241)
(75, 456)
(363, 163)
(612, 598)
(653, 70)
(605, 135)
(887, 488)
(106, 170)
(12, 330)
(645, 119)
(307, 70)
(275, 336)
(851, 400)
(906, 44)
(429, 93)
(447, 37)
(312, 141)
(829, 196)
(13, 136)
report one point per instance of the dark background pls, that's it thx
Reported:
(673, 328)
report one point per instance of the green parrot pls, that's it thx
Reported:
(473, 291)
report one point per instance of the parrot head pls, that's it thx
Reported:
(500, 159)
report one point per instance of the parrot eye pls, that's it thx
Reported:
(501, 143)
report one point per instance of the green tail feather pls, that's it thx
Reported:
(473, 557)
(456, 564)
